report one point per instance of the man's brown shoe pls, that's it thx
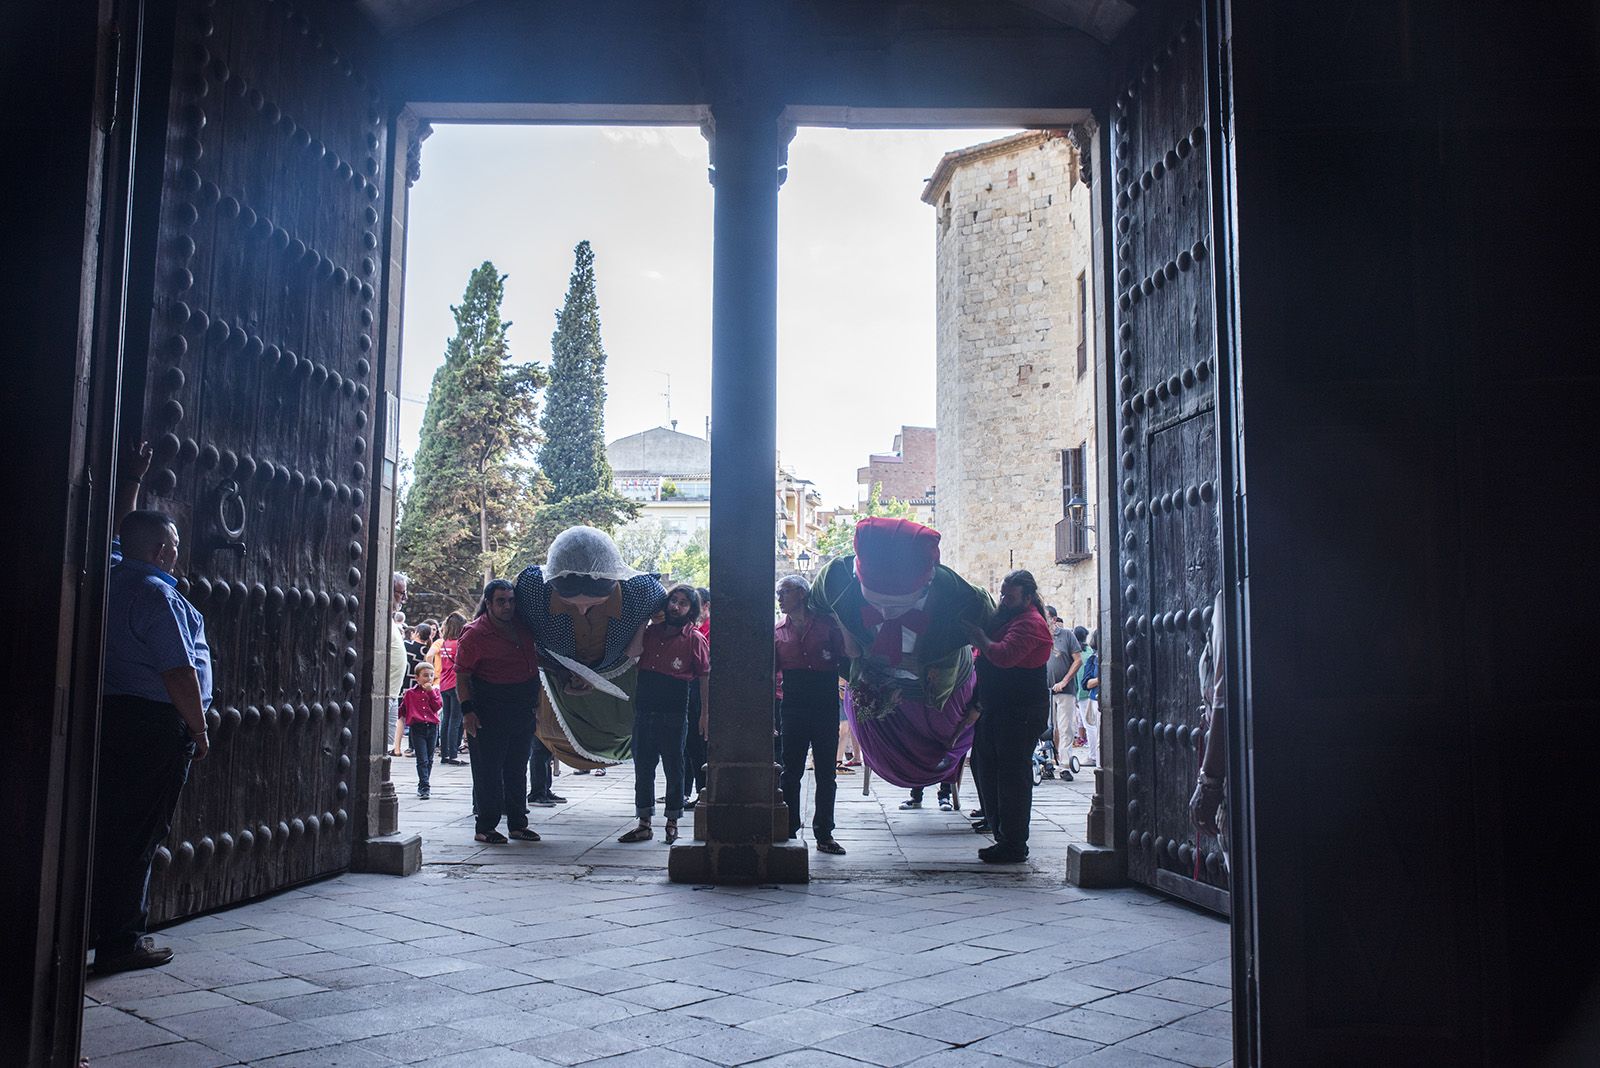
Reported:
(144, 954)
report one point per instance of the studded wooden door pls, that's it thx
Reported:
(257, 396)
(1169, 560)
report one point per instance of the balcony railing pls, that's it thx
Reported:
(1072, 542)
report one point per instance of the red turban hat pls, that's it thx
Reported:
(895, 556)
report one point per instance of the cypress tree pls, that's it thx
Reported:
(574, 454)
(475, 490)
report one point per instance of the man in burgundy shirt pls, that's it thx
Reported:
(1014, 650)
(497, 678)
(675, 655)
(807, 653)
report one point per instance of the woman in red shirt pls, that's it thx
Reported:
(443, 656)
(1014, 698)
(497, 678)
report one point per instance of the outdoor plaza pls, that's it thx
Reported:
(577, 950)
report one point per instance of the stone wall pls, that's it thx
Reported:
(1014, 235)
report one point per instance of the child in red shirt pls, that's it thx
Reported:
(419, 708)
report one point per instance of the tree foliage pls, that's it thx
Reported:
(692, 563)
(574, 452)
(474, 488)
(839, 538)
(603, 509)
(646, 544)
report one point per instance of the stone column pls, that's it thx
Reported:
(741, 825)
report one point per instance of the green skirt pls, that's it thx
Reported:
(589, 730)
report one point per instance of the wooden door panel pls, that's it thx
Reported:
(1169, 557)
(258, 396)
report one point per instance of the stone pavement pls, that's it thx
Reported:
(576, 950)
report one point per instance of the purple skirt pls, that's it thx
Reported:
(909, 747)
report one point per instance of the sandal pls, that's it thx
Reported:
(525, 834)
(828, 845)
(672, 831)
(641, 833)
(491, 837)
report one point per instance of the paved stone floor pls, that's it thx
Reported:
(576, 950)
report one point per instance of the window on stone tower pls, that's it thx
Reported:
(944, 213)
(1083, 325)
(1072, 536)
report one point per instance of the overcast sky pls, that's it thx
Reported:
(855, 282)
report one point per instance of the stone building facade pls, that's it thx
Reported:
(1016, 381)
(909, 472)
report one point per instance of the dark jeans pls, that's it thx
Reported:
(694, 746)
(144, 762)
(1002, 766)
(424, 736)
(660, 718)
(816, 728)
(944, 792)
(449, 724)
(500, 753)
(539, 771)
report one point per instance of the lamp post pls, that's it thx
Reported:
(1077, 508)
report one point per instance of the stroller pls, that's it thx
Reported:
(1045, 765)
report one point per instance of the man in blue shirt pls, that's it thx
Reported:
(156, 690)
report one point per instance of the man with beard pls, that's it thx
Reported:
(807, 654)
(1014, 649)
(675, 655)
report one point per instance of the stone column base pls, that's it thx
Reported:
(397, 854)
(739, 863)
(740, 841)
(1095, 867)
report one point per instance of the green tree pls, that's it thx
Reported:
(839, 538)
(603, 509)
(474, 488)
(645, 544)
(574, 452)
(692, 563)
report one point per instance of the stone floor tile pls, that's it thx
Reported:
(870, 1006)
(810, 1058)
(1139, 1007)
(432, 1041)
(576, 1047)
(358, 975)
(1188, 992)
(1218, 1023)
(803, 1027)
(426, 965)
(591, 1010)
(660, 1028)
(1033, 1046)
(324, 1003)
(269, 990)
(731, 1009)
(124, 987)
(965, 1057)
(799, 993)
(1111, 976)
(1120, 1057)
(1101, 1027)
(346, 1056)
(1007, 1007)
(210, 1023)
(946, 1025)
(120, 1037)
(172, 1055)
(882, 1046)
(157, 1008)
(667, 995)
(258, 1043)
(606, 980)
(483, 980)
(490, 1057)
(369, 1023)
(1184, 1047)
(653, 1058)
(731, 1046)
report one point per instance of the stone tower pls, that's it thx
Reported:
(1016, 383)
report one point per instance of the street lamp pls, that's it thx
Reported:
(1077, 509)
(804, 560)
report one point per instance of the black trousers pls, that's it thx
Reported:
(813, 726)
(500, 753)
(144, 762)
(539, 778)
(694, 747)
(1002, 765)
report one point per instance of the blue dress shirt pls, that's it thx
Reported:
(150, 628)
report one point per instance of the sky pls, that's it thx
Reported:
(855, 275)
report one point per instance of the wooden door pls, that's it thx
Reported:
(258, 397)
(1168, 560)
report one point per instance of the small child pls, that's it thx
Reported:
(419, 708)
